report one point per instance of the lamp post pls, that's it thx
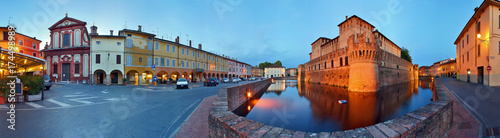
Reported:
(486, 42)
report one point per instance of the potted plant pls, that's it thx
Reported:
(33, 86)
(124, 81)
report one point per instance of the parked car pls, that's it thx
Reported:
(252, 79)
(217, 81)
(243, 79)
(210, 82)
(236, 80)
(225, 80)
(47, 84)
(182, 83)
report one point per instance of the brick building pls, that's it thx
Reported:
(67, 55)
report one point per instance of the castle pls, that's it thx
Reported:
(360, 58)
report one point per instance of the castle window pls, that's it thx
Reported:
(346, 61)
(332, 63)
(341, 62)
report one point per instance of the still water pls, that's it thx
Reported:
(315, 108)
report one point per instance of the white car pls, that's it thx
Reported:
(236, 80)
(182, 83)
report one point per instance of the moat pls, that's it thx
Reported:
(315, 108)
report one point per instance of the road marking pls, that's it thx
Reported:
(105, 91)
(82, 100)
(74, 95)
(58, 103)
(4, 107)
(34, 105)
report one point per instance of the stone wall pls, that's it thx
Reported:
(432, 120)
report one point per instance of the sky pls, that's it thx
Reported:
(255, 31)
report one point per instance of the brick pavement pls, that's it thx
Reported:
(197, 124)
(464, 124)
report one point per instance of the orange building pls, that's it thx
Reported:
(478, 47)
(25, 44)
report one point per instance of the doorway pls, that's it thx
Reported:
(480, 75)
(66, 71)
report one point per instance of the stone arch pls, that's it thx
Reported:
(175, 75)
(132, 77)
(184, 75)
(116, 77)
(162, 76)
(99, 77)
(147, 77)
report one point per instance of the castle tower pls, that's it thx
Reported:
(363, 56)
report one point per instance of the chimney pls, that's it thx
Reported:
(199, 46)
(139, 28)
(190, 43)
(346, 17)
(475, 9)
(111, 32)
(177, 39)
(223, 55)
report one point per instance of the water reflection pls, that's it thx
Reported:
(315, 108)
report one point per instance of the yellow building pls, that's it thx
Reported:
(174, 60)
(478, 46)
(171, 59)
(138, 56)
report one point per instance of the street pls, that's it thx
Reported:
(482, 101)
(75, 110)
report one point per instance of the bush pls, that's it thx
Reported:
(34, 83)
(4, 88)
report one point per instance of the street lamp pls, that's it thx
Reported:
(485, 41)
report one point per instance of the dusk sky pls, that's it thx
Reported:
(256, 31)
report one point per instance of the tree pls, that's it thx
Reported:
(278, 63)
(405, 54)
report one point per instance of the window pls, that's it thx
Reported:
(34, 46)
(463, 59)
(162, 62)
(149, 61)
(187, 64)
(479, 50)
(66, 40)
(187, 52)
(341, 62)
(55, 69)
(332, 64)
(193, 53)
(168, 48)
(194, 65)
(118, 43)
(98, 42)
(156, 61)
(173, 49)
(129, 59)
(157, 46)
(182, 64)
(325, 64)
(150, 45)
(168, 62)
(6, 35)
(129, 43)
(34, 54)
(77, 68)
(182, 51)
(462, 43)
(198, 65)
(346, 61)
(173, 63)
(478, 27)
(203, 56)
(118, 59)
(467, 56)
(198, 54)
(208, 57)
(467, 38)
(204, 66)
(20, 42)
(98, 58)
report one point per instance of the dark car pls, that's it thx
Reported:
(47, 84)
(216, 80)
(210, 82)
(243, 79)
